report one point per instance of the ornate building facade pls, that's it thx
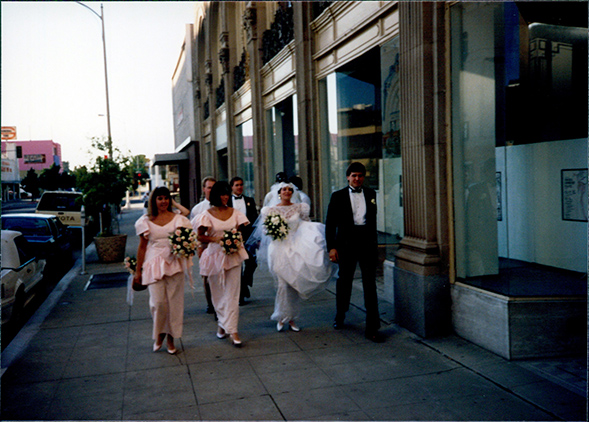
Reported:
(471, 121)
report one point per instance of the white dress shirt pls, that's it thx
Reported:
(200, 207)
(358, 207)
(239, 204)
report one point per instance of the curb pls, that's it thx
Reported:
(21, 341)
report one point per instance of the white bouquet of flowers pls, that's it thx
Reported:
(231, 241)
(183, 242)
(276, 227)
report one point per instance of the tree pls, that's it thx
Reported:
(31, 183)
(67, 181)
(49, 179)
(104, 185)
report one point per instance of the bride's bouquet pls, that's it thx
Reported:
(231, 241)
(275, 226)
(183, 242)
(130, 263)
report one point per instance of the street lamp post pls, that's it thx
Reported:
(101, 17)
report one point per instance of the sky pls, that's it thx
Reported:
(52, 80)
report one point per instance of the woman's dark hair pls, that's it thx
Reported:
(152, 207)
(219, 189)
(297, 181)
(281, 177)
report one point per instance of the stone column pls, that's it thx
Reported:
(210, 105)
(309, 144)
(421, 282)
(224, 59)
(253, 12)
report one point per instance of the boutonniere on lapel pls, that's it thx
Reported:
(247, 204)
(373, 201)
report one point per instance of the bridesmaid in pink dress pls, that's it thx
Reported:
(159, 269)
(222, 270)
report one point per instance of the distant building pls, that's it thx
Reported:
(38, 155)
(10, 176)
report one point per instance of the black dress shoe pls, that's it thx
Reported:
(375, 337)
(338, 325)
(210, 309)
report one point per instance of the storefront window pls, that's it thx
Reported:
(222, 158)
(361, 122)
(245, 156)
(519, 123)
(207, 158)
(283, 136)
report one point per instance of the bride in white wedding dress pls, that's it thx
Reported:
(299, 261)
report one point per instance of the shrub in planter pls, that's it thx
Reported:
(104, 186)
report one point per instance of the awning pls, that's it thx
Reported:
(167, 159)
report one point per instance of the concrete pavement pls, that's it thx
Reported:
(86, 355)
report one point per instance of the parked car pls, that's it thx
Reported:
(49, 238)
(67, 206)
(21, 273)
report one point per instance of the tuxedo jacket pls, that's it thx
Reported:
(251, 212)
(339, 223)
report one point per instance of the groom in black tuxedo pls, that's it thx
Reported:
(350, 231)
(246, 205)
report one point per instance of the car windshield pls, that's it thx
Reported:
(27, 226)
(64, 202)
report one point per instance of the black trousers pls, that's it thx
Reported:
(364, 253)
(247, 275)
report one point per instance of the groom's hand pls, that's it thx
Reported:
(333, 257)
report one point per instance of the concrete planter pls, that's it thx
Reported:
(111, 248)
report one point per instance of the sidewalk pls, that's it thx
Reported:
(86, 355)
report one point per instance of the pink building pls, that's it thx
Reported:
(37, 155)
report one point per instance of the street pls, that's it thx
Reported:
(51, 277)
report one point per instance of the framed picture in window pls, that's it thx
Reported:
(574, 194)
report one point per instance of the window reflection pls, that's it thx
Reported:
(245, 156)
(283, 136)
(519, 121)
(361, 122)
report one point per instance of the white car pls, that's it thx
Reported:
(21, 272)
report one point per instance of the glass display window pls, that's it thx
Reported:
(360, 121)
(519, 135)
(283, 137)
(245, 156)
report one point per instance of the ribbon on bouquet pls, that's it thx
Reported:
(186, 267)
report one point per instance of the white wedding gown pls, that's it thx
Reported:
(300, 262)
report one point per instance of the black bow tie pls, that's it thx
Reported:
(355, 190)
(238, 197)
